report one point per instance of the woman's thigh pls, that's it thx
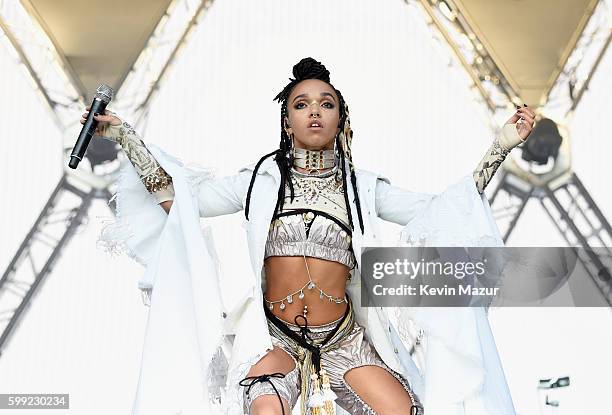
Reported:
(261, 396)
(379, 391)
(363, 383)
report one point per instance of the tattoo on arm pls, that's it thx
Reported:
(153, 176)
(489, 164)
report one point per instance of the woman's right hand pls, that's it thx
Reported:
(104, 120)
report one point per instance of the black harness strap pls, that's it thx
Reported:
(304, 339)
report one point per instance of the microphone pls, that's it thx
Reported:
(104, 95)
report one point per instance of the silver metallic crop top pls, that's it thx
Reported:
(315, 224)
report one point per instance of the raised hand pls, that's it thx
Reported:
(524, 118)
(108, 118)
(513, 132)
(155, 179)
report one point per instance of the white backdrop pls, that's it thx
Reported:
(415, 120)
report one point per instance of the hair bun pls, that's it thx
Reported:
(309, 68)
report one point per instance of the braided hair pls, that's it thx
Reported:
(309, 68)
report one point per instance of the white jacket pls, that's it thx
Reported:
(462, 374)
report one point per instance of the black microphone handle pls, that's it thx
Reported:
(87, 132)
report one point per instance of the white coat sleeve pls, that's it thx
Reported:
(218, 195)
(139, 221)
(181, 282)
(458, 339)
(459, 216)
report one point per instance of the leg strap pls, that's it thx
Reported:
(249, 381)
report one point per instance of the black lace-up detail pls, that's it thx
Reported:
(249, 381)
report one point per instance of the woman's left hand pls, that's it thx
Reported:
(524, 117)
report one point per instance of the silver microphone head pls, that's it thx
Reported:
(104, 93)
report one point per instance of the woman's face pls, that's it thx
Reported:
(313, 100)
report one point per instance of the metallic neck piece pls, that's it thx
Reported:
(313, 159)
(315, 173)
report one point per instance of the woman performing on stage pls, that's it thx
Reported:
(299, 330)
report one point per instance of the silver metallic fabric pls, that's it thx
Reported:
(287, 387)
(354, 351)
(326, 239)
(319, 227)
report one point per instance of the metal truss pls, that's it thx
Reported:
(450, 27)
(47, 71)
(148, 72)
(65, 211)
(465, 50)
(68, 205)
(573, 212)
(582, 64)
(561, 194)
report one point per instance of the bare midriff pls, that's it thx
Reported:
(287, 274)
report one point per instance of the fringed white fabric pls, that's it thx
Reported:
(184, 326)
(459, 216)
(463, 372)
(134, 206)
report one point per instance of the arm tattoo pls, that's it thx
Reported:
(489, 164)
(156, 180)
